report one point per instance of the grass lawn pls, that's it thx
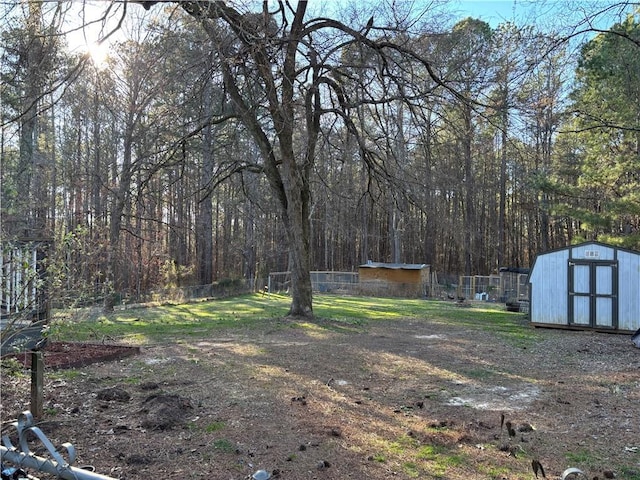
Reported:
(146, 325)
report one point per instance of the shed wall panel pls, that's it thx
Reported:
(628, 291)
(549, 288)
(593, 251)
(397, 276)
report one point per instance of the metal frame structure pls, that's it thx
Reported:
(23, 457)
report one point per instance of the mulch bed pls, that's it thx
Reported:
(60, 355)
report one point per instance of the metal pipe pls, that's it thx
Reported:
(56, 465)
(24, 460)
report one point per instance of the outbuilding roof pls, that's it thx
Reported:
(395, 266)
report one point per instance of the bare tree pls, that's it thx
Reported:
(282, 75)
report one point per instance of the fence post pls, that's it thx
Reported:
(37, 382)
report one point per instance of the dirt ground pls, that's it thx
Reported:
(385, 399)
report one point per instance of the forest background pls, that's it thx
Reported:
(418, 138)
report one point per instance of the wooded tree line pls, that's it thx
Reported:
(462, 146)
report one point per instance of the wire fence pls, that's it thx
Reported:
(495, 288)
(445, 287)
(321, 282)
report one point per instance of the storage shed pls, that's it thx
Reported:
(394, 279)
(591, 285)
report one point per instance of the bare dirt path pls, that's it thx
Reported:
(398, 399)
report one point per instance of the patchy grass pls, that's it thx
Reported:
(582, 457)
(142, 326)
(223, 445)
(214, 427)
(12, 368)
(630, 473)
(416, 458)
(148, 325)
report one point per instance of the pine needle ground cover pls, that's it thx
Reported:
(373, 388)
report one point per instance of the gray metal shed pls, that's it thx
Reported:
(587, 286)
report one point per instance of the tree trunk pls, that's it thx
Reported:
(502, 208)
(121, 198)
(431, 216)
(204, 222)
(469, 197)
(249, 250)
(296, 210)
(394, 233)
(204, 241)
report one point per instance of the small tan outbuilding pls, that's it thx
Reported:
(394, 279)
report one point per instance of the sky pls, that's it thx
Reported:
(540, 12)
(493, 12)
(543, 13)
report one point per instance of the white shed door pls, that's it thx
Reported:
(593, 294)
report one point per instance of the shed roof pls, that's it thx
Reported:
(514, 270)
(591, 242)
(579, 245)
(395, 266)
